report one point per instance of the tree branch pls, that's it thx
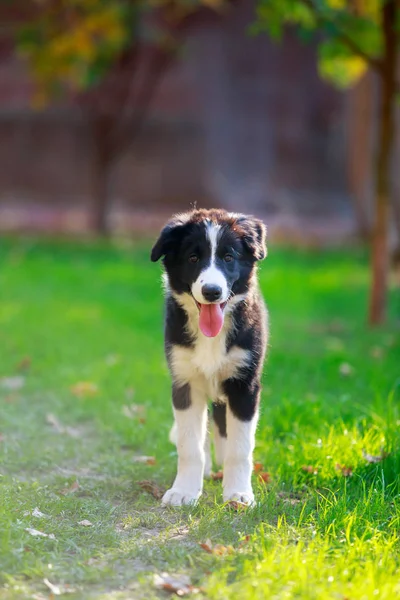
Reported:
(131, 122)
(137, 105)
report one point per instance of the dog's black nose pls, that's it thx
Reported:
(211, 292)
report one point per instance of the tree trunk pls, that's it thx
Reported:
(380, 249)
(114, 131)
(359, 152)
(100, 176)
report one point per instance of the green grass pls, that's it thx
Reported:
(72, 312)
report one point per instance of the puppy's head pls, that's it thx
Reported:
(210, 255)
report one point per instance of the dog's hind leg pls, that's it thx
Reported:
(207, 453)
(219, 419)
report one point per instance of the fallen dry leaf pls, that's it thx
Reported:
(2, 438)
(335, 326)
(10, 398)
(24, 364)
(377, 352)
(152, 488)
(334, 344)
(59, 428)
(112, 359)
(84, 389)
(57, 590)
(345, 369)
(291, 500)
(133, 411)
(217, 476)
(236, 505)
(98, 562)
(176, 584)
(346, 471)
(54, 422)
(180, 533)
(375, 459)
(129, 393)
(291, 497)
(258, 467)
(217, 549)
(37, 533)
(264, 477)
(85, 523)
(71, 489)
(390, 340)
(12, 383)
(206, 546)
(53, 588)
(244, 541)
(147, 460)
(310, 469)
(221, 550)
(126, 411)
(34, 513)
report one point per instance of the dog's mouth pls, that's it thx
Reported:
(211, 318)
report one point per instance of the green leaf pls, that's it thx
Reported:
(337, 64)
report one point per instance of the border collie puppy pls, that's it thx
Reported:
(215, 340)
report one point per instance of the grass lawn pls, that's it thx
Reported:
(84, 393)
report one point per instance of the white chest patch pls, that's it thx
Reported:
(207, 363)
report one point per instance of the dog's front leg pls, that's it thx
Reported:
(190, 410)
(241, 421)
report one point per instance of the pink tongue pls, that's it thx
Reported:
(211, 319)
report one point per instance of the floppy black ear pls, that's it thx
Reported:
(169, 237)
(254, 236)
(161, 245)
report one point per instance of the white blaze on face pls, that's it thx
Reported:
(211, 275)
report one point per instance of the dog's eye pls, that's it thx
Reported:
(228, 257)
(193, 258)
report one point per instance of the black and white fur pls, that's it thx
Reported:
(204, 248)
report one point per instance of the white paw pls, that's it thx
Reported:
(179, 497)
(242, 497)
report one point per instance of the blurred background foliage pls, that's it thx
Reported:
(109, 61)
